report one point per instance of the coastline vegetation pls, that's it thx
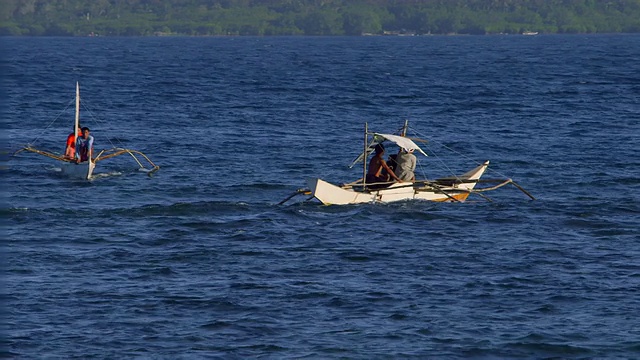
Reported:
(315, 17)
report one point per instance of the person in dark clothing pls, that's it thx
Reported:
(375, 173)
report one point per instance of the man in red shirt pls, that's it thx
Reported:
(70, 149)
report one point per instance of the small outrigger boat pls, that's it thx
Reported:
(456, 188)
(73, 168)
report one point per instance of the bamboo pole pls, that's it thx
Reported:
(288, 198)
(297, 192)
(118, 151)
(45, 153)
(77, 120)
(523, 190)
(364, 159)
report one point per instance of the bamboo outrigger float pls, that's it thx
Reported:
(72, 168)
(447, 189)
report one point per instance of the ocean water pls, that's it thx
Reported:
(200, 261)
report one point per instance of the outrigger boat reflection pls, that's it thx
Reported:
(84, 170)
(456, 188)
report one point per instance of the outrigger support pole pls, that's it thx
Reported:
(437, 188)
(106, 154)
(297, 192)
(45, 153)
(364, 159)
(483, 196)
(523, 190)
(505, 182)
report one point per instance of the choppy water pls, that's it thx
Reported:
(199, 261)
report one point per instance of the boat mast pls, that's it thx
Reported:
(75, 127)
(364, 159)
(405, 127)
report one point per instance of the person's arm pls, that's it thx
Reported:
(415, 163)
(90, 149)
(78, 149)
(386, 167)
(67, 147)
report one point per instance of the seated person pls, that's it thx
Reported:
(406, 165)
(70, 148)
(376, 165)
(84, 146)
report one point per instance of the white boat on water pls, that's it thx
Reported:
(73, 168)
(455, 188)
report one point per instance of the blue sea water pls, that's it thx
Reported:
(200, 261)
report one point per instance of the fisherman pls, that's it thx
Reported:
(406, 165)
(70, 148)
(376, 167)
(84, 146)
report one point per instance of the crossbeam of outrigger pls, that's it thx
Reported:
(103, 155)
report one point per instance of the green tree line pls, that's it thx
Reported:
(314, 17)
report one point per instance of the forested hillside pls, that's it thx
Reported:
(314, 17)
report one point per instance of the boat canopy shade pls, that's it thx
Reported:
(402, 142)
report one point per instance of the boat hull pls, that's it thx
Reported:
(330, 194)
(82, 171)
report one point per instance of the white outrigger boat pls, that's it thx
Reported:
(84, 170)
(446, 189)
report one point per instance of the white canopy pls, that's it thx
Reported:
(402, 141)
